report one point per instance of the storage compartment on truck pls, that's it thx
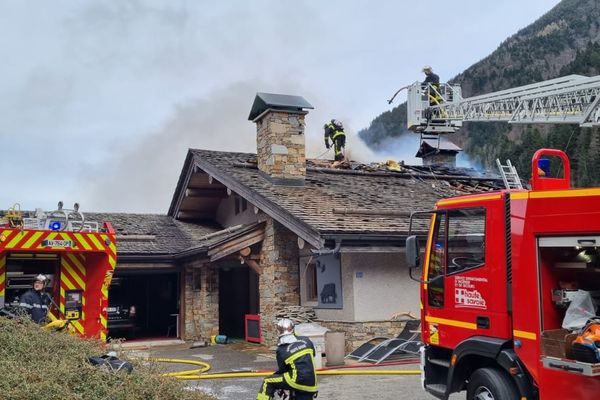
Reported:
(569, 267)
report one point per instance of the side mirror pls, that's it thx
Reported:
(413, 253)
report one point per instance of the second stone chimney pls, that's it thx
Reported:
(438, 151)
(280, 139)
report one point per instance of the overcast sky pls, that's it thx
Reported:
(100, 100)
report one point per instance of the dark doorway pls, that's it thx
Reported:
(238, 296)
(143, 305)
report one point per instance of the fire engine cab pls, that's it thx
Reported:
(499, 273)
(78, 257)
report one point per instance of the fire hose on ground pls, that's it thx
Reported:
(200, 373)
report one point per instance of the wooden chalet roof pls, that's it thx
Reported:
(367, 203)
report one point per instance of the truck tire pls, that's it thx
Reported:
(491, 384)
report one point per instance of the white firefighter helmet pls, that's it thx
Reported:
(40, 278)
(285, 326)
(427, 68)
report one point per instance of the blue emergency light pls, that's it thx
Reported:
(55, 226)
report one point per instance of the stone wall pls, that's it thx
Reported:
(448, 159)
(201, 319)
(359, 332)
(280, 145)
(279, 283)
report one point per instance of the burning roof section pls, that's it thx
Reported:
(370, 200)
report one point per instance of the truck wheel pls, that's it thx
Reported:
(491, 384)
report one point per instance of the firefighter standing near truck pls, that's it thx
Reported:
(296, 367)
(334, 130)
(35, 302)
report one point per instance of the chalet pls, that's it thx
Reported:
(252, 233)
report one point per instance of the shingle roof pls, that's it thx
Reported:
(332, 202)
(441, 144)
(153, 233)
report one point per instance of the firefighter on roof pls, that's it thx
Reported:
(35, 302)
(296, 367)
(334, 130)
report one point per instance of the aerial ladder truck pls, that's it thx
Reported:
(500, 270)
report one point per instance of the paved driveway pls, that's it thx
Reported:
(247, 357)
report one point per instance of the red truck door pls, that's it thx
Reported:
(466, 294)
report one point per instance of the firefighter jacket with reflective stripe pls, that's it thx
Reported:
(332, 132)
(432, 78)
(35, 304)
(295, 362)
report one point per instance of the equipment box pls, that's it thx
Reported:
(557, 343)
(576, 367)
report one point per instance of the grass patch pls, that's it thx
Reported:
(37, 364)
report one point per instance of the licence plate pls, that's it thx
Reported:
(111, 309)
(57, 243)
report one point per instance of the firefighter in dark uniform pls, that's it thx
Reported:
(296, 366)
(432, 85)
(35, 302)
(334, 130)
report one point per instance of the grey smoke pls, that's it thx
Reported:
(141, 176)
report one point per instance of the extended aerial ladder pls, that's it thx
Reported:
(572, 99)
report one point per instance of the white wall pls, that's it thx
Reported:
(226, 213)
(381, 285)
(375, 286)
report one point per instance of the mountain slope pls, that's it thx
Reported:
(565, 40)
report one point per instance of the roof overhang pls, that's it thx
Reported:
(190, 179)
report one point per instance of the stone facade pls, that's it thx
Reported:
(359, 332)
(280, 146)
(279, 282)
(201, 297)
(441, 158)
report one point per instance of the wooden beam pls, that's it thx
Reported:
(250, 238)
(245, 252)
(209, 192)
(202, 179)
(253, 265)
(230, 248)
(194, 215)
(198, 179)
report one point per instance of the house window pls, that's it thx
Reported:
(329, 281)
(437, 263)
(244, 204)
(458, 245)
(237, 205)
(196, 280)
(466, 239)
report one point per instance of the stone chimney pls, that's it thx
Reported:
(438, 151)
(280, 140)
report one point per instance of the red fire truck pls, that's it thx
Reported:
(499, 268)
(77, 255)
(497, 272)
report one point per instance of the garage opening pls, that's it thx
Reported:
(238, 296)
(144, 305)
